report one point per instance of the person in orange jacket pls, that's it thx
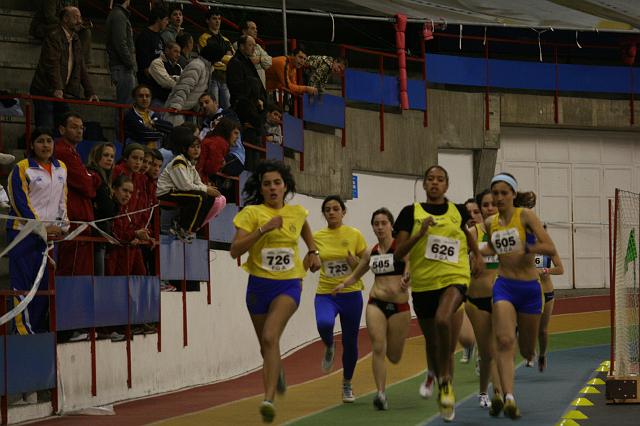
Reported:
(283, 73)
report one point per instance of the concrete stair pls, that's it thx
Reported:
(20, 55)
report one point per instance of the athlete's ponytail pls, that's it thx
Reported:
(525, 199)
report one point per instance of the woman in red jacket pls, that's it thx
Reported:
(125, 259)
(214, 153)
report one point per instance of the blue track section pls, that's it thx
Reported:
(542, 397)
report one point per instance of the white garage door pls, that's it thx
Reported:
(574, 174)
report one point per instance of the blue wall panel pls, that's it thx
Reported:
(362, 86)
(274, 151)
(521, 75)
(585, 78)
(171, 258)
(30, 363)
(417, 94)
(145, 299)
(530, 75)
(293, 129)
(74, 302)
(197, 258)
(221, 229)
(110, 301)
(455, 70)
(391, 91)
(324, 109)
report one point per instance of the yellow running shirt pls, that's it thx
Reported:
(440, 258)
(334, 245)
(510, 238)
(275, 254)
(490, 262)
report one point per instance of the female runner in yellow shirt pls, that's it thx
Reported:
(435, 236)
(269, 230)
(516, 236)
(340, 247)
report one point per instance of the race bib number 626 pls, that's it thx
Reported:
(443, 249)
(277, 259)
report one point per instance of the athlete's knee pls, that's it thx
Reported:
(442, 320)
(505, 342)
(268, 342)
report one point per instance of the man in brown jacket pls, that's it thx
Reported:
(61, 71)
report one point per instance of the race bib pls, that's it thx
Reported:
(542, 261)
(381, 263)
(443, 249)
(336, 268)
(506, 241)
(487, 259)
(277, 259)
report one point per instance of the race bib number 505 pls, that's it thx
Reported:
(277, 259)
(443, 249)
(506, 241)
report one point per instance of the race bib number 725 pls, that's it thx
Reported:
(277, 259)
(336, 268)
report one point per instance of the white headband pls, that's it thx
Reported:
(506, 179)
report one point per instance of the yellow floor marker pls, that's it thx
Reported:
(606, 364)
(567, 422)
(582, 402)
(589, 389)
(595, 382)
(601, 369)
(575, 415)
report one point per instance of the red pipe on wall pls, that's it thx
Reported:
(401, 26)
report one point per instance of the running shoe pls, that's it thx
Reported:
(511, 410)
(426, 387)
(528, 363)
(329, 356)
(380, 402)
(281, 387)
(542, 363)
(267, 411)
(496, 405)
(484, 401)
(447, 402)
(347, 393)
(467, 354)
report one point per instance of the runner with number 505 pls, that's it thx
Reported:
(340, 248)
(516, 235)
(435, 237)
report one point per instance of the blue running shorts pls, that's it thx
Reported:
(262, 291)
(525, 296)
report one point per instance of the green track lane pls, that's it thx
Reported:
(407, 408)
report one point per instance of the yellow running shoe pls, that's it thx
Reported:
(267, 411)
(511, 410)
(496, 405)
(447, 402)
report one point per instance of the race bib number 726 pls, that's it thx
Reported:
(277, 259)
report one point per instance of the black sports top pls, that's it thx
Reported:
(382, 264)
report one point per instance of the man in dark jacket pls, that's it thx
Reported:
(240, 70)
(149, 44)
(47, 19)
(61, 71)
(122, 62)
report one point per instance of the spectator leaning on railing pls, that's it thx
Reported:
(61, 71)
(165, 71)
(321, 68)
(37, 190)
(283, 73)
(101, 160)
(121, 51)
(75, 257)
